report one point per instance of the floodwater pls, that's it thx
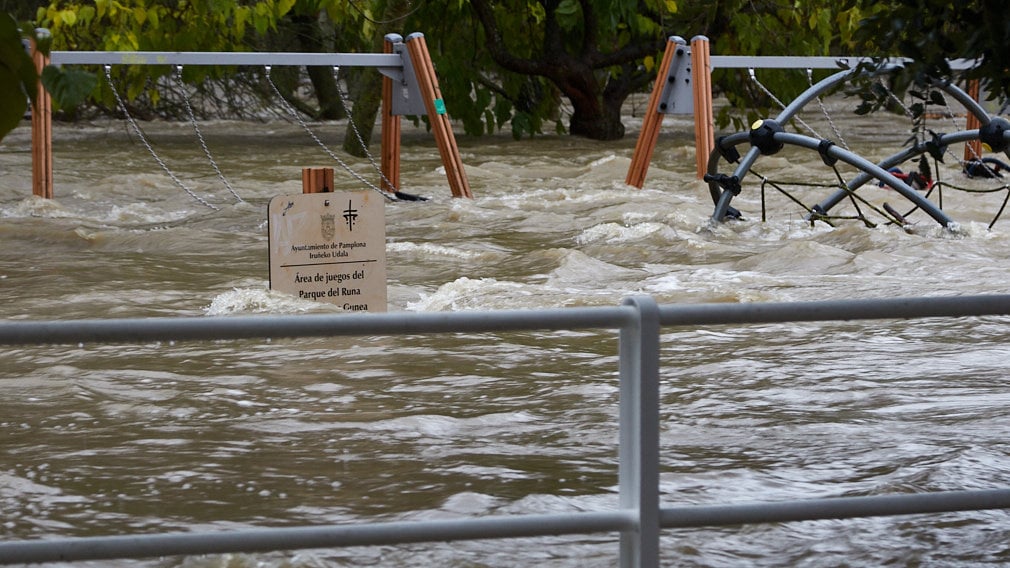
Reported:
(142, 438)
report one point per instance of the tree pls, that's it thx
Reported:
(931, 32)
(525, 62)
(590, 50)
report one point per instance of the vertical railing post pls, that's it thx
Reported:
(704, 122)
(42, 131)
(390, 146)
(638, 474)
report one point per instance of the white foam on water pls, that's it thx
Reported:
(240, 301)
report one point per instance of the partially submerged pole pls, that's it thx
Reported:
(390, 145)
(653, 117)
(42, 130)
(704, 122)
(435, 107)
(317, 180)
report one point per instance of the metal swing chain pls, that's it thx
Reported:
(766, 91)
(827, 115)
(357, 134)
(294, 113)
(147, 144)
(199, 135)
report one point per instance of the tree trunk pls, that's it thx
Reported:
(312, 39)
(596, 113)
(367, 85)
(600, 123)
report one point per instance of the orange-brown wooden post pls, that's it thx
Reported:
(317, 180)
(390, 146)
(704, 121)
(973, 148)
(42, 133)
(652, 120)
(434, 105)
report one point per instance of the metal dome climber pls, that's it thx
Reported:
(687, 66)
(767, 137)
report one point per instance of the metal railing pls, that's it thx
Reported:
(638, 519)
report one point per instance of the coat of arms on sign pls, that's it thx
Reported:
(328, 226)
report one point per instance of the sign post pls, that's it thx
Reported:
(330, 247)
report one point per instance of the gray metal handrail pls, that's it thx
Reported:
(639, 517)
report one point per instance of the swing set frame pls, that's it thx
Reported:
(410, 87)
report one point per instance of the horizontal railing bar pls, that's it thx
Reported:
(394, 60)
(248, 327)
(835, 310)
(265, 540)
(812, 62)
(834, 508)
(224, 58)
(316, 325)
(781, 62)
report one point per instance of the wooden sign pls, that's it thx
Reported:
(330, 247)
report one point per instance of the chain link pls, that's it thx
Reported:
(753, 77)
(199, 135)
(357, 134)
(147, 144)
(824, 111)
(294, 113)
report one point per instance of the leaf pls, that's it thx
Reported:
(69, 87)
(69, 17)
(13, 101)
(17, 76)
(568, 14)
(284, 6)
(649, 62)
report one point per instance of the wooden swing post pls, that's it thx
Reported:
(973, 148)
(317, 180)
(42, 132)
(704, 121)
(390, 144)
(435, 107)
(653, 118)
(683, 86)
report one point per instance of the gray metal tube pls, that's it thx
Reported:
(224, 58)
(871, 168)
(835, 508)
(835, 310)
(264, 540)
(638, 470)
(782, 62)
(810, 94)
(899, 158)
(214, 328)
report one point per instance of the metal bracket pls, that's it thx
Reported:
(678, 95)
(406, 93)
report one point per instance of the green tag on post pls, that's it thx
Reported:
(439, 106)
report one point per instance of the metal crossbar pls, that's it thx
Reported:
(638, 519)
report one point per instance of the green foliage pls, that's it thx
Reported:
(800, 27)
(932, 32)
(521, 58)
(69, 87)
(17, 76)
(155, 25)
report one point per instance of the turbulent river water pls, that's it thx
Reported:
(142, 438)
